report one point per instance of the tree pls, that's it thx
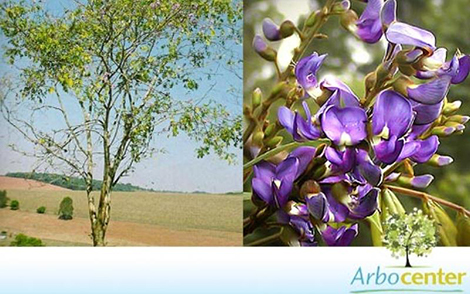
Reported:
(66, 209)
(116, 63)
(410, 233)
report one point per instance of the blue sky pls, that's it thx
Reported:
(178, 169)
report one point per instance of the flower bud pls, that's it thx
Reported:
(274, 141)
(451, 108)
(269, 130)
(419, 182)
(263, 49)
(348, 20)
(440, 160)
(341, 7)
(309, 187)
(312, 19)
(271, 30)
(459, 118)
(287, 29)
(456, 125)
(443, 131)
(256, 97)
(278, 88)
(258, 138)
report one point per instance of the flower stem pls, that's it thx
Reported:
(279, 149)
(425, 196)
(265, 241)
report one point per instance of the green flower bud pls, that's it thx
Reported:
(451, 107)
(287, 29)
(340, 7)
(348, 20)
(462, 119)
(443, 131)
(256, 97)
(258, 138)
(312, 19)
(269, 130)
(440, 160)
(274, 141)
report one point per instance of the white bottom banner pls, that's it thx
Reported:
(231, 270)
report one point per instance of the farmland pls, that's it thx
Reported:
(137, 218)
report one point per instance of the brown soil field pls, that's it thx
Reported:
(137, 219)
(76, 232)
(8, 183)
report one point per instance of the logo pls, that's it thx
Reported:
(407, 280)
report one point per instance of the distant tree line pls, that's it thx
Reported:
(72, 183)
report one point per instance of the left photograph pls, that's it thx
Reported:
(121, 123)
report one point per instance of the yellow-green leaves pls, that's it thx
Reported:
(463, 230)
(389, 205)
(446, 227)
(375, 228)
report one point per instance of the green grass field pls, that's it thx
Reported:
(176, 211)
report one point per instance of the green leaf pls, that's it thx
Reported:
(375, 229)
(446, 227)
(463, 230)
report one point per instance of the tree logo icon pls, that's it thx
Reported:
(406, 234)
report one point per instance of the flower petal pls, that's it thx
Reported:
(339, 237)
(405, 34)
(387, 151)
(344, 126)
(426, 150)
(432, 92)
(392, 114)
(464, 69)
(426, 113)
(318, 206)
(263, 190)
(369, 26)
(306, 70)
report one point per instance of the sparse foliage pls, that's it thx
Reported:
(110, 70)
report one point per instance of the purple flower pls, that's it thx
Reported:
(369, 25)
(339, 237)
(306, 70)
(271, 30)
(365, 203)
(388, 13)
(301, 129)
(318, 207)
(344, 126)
(391, 119)
(273, 184)
(464, 69)
(424, 113)
(259, 44)
(405, 34)
(304, 229)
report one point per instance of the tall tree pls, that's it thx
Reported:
(117, 62)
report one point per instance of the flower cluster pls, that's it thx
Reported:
(405, 111)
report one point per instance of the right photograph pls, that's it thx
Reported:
(354, 124)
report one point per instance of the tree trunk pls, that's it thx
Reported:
(407, 257)
(100, 225)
